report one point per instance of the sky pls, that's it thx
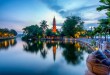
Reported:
(17, 14)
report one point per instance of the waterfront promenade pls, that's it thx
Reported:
(99, 43)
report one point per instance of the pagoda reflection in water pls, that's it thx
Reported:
(72, 51)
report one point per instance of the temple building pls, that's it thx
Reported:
(54, 25)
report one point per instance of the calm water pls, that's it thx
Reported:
(42, 58)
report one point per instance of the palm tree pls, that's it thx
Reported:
(44, 26)
(105, 23)
(105, 6)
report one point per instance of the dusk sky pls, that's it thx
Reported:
(16, 14)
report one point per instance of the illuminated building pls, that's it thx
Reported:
(54, 25)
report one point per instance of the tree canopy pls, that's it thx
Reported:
(104, 24)
(43, 25)
(72, 25)
(7, 33)
(33, 31)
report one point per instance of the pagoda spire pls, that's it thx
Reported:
(54, 25)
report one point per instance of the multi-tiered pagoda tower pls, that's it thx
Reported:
(54, 25)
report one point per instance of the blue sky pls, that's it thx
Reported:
(18, 14)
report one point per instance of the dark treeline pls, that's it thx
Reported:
(7, 33)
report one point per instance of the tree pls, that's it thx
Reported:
(7, 33)
(105, 6)
(44, 26)
(49, 32)
(72, 25)
(33, 32)
(105, 23)
(12, 31)
(89, 33)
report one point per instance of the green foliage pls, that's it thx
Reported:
(12, 31)
(108, 13)
(104, 24)
(33, 31)
(72, 25)
(6, 32)
(62, 33)
(89, 33)
(106, 5)
(49, 32)
(43, 25)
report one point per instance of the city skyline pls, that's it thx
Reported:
(17, 14)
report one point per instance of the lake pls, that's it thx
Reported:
(43, 57)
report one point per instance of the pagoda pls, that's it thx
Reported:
(54, 25)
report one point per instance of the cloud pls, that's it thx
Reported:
(59, 24)
(65, 10)
(52, 4)
(77, 11)
(86, 10)
(91, 22)
(31, 12)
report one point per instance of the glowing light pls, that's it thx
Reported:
(12, 41)
(5, 43)
(77, 45)
(96, 48)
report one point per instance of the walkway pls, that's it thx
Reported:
(87, 42)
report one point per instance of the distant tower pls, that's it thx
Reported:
(54, 25)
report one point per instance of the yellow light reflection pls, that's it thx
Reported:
(5, 43)
(96, 48)
(77, 45)
(12, 41)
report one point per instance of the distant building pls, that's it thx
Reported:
(54, 25)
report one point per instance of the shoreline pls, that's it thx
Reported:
(5, 38)
(87, 44)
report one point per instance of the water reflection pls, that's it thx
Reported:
(33, 47)
(5, 44)
(73, 52)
